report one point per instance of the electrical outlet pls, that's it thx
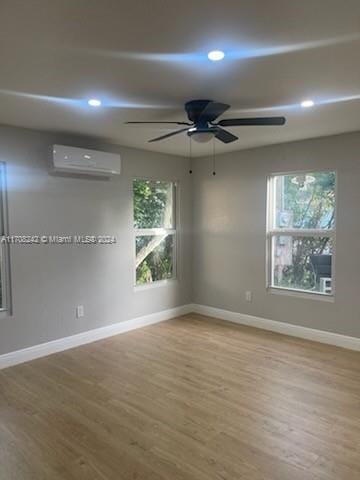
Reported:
(248, 296)
(80, 311)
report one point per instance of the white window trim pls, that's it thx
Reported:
(271, 231)
(167, 282)
(6, 309)
(160, 231)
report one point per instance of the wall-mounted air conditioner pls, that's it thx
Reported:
(84, 161)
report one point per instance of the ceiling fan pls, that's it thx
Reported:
(202, 115)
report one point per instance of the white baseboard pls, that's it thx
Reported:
(44, 349)
(54, 346)
(352, 343)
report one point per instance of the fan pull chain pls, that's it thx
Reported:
(190, 156)
(214, 158)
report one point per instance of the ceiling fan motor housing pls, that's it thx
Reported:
(195, 109)
(202, 131)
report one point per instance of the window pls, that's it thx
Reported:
(301, 231)
(154, 230)
(3, 246)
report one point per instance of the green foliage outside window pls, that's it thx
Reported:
(154, 208)
(153, 204)
(312, 203)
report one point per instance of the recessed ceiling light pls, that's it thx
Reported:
(87, 157)
(307, 103)
(94, 102)
(216, 55)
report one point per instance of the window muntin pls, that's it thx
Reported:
(301, 230)
(154, 230)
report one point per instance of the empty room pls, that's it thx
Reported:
(179, 215)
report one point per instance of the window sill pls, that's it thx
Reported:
(160, 283)
(323, 297)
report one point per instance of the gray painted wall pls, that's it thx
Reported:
(49, 281)
(222, 237)
(229, 232)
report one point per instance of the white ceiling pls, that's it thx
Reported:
(145, 58)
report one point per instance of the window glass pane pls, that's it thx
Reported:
(305, 200)
(302, 263)
(2, 182)
(154, 258)
(2, 299)
(2, 232)
(153, 204)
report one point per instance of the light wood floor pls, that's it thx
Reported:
(192, 398)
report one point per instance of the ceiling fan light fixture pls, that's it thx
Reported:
(201, 137)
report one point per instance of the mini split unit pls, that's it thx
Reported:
(84, 162)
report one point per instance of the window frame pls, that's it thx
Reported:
(158, 231)
(6, 308)
(272, 231)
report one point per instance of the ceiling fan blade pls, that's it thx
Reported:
(170, 123)
(259, 121)
(168, 135)
(213, 110)
(225, 136)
